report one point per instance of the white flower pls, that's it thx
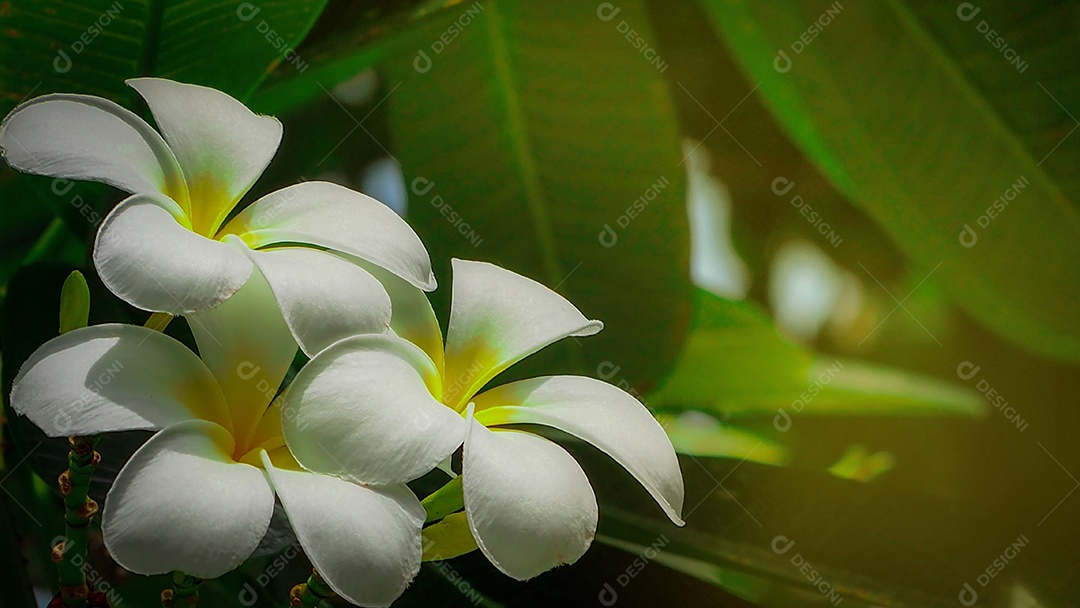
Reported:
(199, 494)
(167, 248)
(378, 409)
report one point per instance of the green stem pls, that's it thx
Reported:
(79, 511)
(185, 591)
(309, 594)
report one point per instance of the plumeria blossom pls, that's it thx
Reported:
(199, 494)
(168, 247)
(385, 410)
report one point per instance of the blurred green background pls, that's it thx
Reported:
(835, 246)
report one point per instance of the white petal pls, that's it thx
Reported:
(498, 318)
(249, 348)
(182, 503)
(412, 316)
(114, 378)
(365, 542)
(335, 217)
(323, 297)
(364, 408)
(152, 262)
(221, 145)
(529, 504)
(87, 137)
(601, 414)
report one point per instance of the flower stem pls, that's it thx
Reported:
(309, 594)
(158, 321)
(79, 510)
(185, 591)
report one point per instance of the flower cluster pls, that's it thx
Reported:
(382, 401)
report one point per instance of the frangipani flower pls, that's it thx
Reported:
(199, 494)
(386, 411)
(168, 248)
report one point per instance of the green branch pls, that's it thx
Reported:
(309, 594)
(185, 591)
(79, 511)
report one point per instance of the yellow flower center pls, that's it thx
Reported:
(210, 204)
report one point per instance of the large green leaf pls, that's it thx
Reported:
(508, 162)
(735, 361)
(861, 543)
(350, 38)
(927, 126)
(91, 47)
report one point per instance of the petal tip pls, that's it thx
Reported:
(593, 327)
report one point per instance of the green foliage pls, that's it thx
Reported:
(540, 136)
(527, 172)
(74, 302)
(91, 47)
(735, 362)
(932, 130)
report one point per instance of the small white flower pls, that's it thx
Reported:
(167, 248)
(378, 409)
(199, 494)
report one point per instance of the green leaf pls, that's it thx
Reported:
(444, 501)
(74, 302)
(959, 150)
(735, 362)
(505, 162)
(91, 47)
(870, 548)
(697, 434)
